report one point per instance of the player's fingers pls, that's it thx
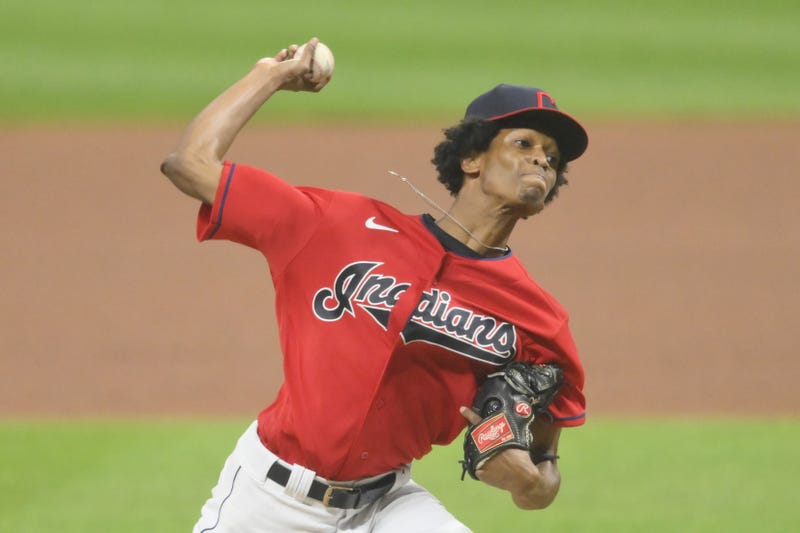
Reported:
(306, 55)
(310, 46)
(320, 84)
(471, 416)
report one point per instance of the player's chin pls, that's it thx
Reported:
(532, 200)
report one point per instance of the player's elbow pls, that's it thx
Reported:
(191, 175)
(169, 167)
(533, 503)
(539, 495)
(176, 168)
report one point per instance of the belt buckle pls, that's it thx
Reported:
(326, 498)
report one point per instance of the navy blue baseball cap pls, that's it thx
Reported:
(517, 106)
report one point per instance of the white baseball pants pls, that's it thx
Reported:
(246, 501)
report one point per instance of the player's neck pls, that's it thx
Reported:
(483, 234)
(487, 242)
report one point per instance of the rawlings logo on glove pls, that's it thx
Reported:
(492, 433)
(508, 402)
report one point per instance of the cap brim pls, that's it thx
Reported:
(571, 137)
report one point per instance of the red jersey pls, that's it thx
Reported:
(384, 332)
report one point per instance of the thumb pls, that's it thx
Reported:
(471, 416)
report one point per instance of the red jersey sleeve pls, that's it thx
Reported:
(569, 406)
(257, 209)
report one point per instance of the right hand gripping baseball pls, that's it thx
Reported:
(295, 73)
(507, 403)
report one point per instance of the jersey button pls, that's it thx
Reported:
(380, 403)
(364, 456)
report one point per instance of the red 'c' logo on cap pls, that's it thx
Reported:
(522, 409)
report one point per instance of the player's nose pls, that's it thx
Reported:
(539, 158)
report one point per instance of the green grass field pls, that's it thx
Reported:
(618, 475)
(417, 60)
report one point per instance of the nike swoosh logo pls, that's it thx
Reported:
(371, 224)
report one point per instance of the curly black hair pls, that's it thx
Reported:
(469, 138)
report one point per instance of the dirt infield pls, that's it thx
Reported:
(676, 249)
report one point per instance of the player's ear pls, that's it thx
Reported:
(471, 165)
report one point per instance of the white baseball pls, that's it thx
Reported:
(323, 59)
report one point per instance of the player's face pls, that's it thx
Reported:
(519, 169)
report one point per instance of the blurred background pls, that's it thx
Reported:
(411, 61)
(124, 343)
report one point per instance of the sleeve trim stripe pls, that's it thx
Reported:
(218, 222)
(565, 419)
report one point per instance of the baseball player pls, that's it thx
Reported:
(388, 322)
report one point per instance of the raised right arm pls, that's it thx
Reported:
(196, 164)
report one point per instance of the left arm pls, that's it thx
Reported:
(531, 486)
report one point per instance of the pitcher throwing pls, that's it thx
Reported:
(389, 323)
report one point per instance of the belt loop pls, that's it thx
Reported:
(299, 481)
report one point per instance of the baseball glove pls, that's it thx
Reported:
(508, 402)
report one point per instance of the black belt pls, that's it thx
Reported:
(337, 496)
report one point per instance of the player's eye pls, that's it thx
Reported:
(552, 160)
(523, 143)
